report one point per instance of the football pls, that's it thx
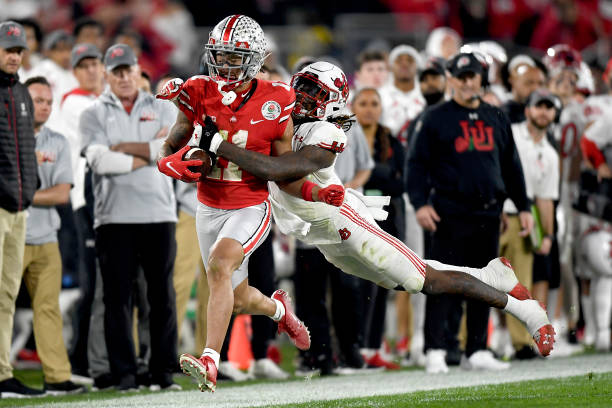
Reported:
(195, 153)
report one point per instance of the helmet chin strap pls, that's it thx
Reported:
(228, 97)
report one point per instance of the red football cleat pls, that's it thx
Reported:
(377, 361)
(545, 338)
(203, 369)
(290, 324)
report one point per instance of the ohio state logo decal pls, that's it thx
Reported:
(271, 110)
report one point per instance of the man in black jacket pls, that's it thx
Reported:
(17, 186)
(463, 149)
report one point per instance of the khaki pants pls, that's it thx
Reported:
(185, 268)
(42, 266)
(518, 251)
(12, 243)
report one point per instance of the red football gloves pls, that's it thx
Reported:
(332, 195)
(175, 167)
(171, 89)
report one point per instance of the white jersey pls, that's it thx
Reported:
(312, 217)
(347, 236)
(400, 107)
(572, 124)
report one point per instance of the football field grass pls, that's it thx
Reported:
(578, 381)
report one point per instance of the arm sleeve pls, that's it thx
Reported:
(62, 172)
(105, 162)
(91, 130)
(511, 168)
(192, 92)
(417, 173)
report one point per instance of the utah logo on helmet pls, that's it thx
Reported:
(321, 85)
(236, 50)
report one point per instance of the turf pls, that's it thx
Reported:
(591, 390)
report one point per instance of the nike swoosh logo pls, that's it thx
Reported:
(253, 122)
(172, 168)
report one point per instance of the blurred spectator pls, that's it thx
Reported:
(401, 98)
(153, 65)
(42, 264)
(566, 22)
(86, 62)
(19, 183)
(372, 70)
(385, 180)
(470, 176)
(56, 68)
(540, 163)
(443, 42)
(31, 56)
(89, 31)
(134, 218)
(175, 24)
(525, 77)
(411, 308)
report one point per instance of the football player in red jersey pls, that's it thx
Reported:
(346, 233)
(234, 214)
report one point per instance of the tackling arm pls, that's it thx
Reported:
(288, 165)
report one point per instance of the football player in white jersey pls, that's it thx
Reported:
(346, 231)
(565, 68)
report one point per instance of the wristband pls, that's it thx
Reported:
(307, 190)
(215, 142)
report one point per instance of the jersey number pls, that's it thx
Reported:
(569, 140)
(227, 170)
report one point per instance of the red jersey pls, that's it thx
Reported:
(256, 123)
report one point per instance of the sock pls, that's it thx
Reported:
(601, 288)
(486, 274)
(280, 310)
(520, 310)
(551, 307)
(589, 320)
(212, 354)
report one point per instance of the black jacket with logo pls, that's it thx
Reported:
(18, 165)
(469, 159)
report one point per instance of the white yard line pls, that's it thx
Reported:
(363, 385)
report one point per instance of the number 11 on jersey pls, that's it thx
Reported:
(229, 171)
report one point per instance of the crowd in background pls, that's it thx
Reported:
(141, 261)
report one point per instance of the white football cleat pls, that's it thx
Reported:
(435, 361)
(483, 360)
(266, 368)
(536, 321)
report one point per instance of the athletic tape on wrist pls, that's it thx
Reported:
(215, 142)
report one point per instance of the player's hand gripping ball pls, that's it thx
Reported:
(195, 153)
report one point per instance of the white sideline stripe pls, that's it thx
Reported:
(353, 386)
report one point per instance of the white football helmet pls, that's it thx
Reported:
(321, 90)
(235, 51)
(595, 249)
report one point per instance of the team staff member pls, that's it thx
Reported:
(17, 187)
(464, 150)
(134, 216)
(540, 162)
(42, 264)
